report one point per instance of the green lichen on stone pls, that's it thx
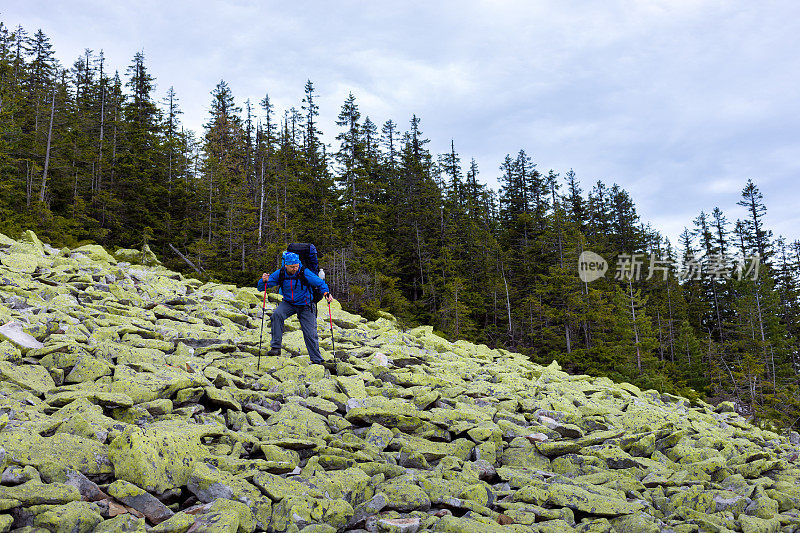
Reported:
(178, 523)
(246, 519)
(78, 453)
(74, 517)
(452, 524)
(156, 460)
(301, 511)
(165, 369)
(403, 495)
(31, 377)
(209, 483)
(37, 493)
(9, 351)
(127, 523)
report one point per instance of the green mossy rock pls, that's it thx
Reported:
(218, 521)
(156, 460)
(753, 524)
(401, 414)
(38, 493)
(9, 351)
(69, 451)
(403, 495)
(30, 377)
(127, 523)
(208, 484)
(293, 420)
(302, 511)
(178, 523)
(452, 524)
(95, 253)
(278, 488)
(20, 263)
(246, 519)
(165, 369)
(74, 517)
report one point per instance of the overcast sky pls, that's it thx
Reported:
(677, 101)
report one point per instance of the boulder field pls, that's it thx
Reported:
(131, 400)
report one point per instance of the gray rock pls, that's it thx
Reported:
(400, 525)
(366, 509)
(13, 331)
(137, 498)
(89, 490)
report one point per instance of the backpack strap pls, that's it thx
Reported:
(300, 278)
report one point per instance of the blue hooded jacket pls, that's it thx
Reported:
(293, 291)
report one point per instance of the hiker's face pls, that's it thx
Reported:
(292, 269)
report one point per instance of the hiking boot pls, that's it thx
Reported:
(329, 365)
(274, 352)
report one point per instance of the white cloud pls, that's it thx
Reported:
(679, 101)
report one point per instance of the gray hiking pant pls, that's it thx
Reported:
(308, 324)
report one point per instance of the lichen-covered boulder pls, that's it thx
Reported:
(397, 413)
(145, 256)
(62, 450)
(127, 523)
(178, 523)
(209, 484)
(141, 500)
(452, 524)
(293, 420)
(403, 495)
(409, 429)
(95, 253)
(9, 351)
(20, 263)
(302, 511)
(35, 492)
(156, 460)
(74, 517)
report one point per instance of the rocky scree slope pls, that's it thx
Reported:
(130, 400)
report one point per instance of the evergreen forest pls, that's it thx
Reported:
(88, 154)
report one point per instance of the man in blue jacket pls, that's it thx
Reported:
(297, 299)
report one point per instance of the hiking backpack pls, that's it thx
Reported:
(308, 260)
(307, 253)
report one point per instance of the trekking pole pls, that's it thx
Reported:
(330, 317)
(261, 336)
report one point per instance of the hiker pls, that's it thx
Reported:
(296, 285)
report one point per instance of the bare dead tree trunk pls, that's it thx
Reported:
(114, 148)
(671, 332)
(261, 206)
(419, 257)
(185, 259)
(102, 131)
(508, 304)
(456, 309)
(635, 330)
(761, 329)
(28, 183)
(49, 141)
(210, 198)
(585, 291)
